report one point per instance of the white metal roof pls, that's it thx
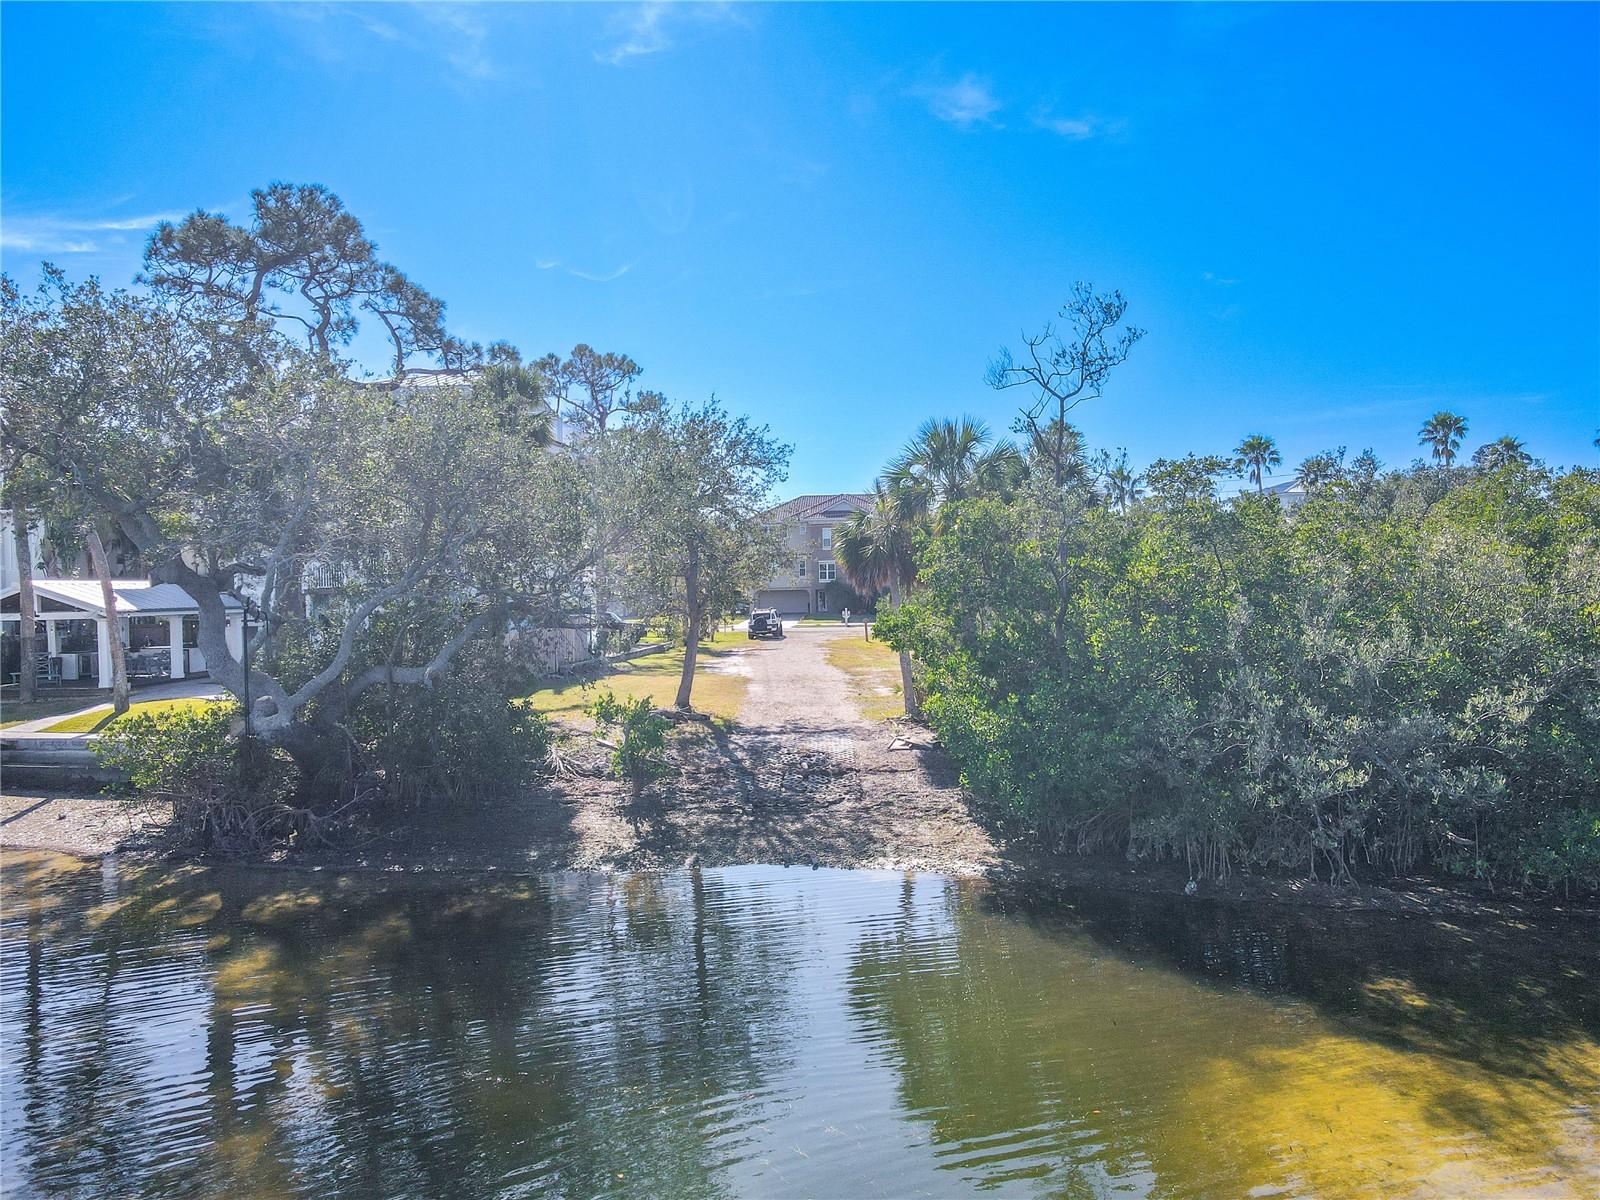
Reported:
(135, 597)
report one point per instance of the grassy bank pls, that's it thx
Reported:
(96, 720)
(874, 671)
(655, 676)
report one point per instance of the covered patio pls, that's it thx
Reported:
(157, 623)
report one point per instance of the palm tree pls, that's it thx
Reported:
(1057, 446)
(1122, 484)
(1502, 452)
(1442, 433)
(999, 470)
(874, 550)
(950, 460)
(1256, 453)
(1319, 469)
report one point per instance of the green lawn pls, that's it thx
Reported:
(874, 671)
(656, 676)
(98, 719)
(16, 712)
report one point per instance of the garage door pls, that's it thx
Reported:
(788, 602)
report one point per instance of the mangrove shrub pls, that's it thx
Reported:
(1402, 674)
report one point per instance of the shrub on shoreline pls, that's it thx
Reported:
(1403, 674)
(640, 750)
(191, 759)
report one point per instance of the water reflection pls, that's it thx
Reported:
(769, 1031)
(1045, 1040)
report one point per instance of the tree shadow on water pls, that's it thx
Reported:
(372, 1034)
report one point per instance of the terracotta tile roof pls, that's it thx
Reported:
(802, 507)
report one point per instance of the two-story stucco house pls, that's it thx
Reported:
(808, 581)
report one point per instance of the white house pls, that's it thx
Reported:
(8, 548)
(1291, 494)
(157, 623)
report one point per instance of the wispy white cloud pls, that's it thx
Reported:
(551, 264)
(644, 29)
(666, 198)
(461, 35)
(640, 32)
(1219, 280)
(968, 101)
(55, 233)
(607, 277)
(456, 34)
(1075, 129)
(13, 238)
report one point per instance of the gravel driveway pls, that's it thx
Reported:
(801, 779)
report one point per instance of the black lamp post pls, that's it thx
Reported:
(244, 759)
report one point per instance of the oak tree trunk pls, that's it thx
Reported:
(691, 631)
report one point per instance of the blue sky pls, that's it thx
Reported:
(1331, 220)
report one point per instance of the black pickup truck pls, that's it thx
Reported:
(765, 622)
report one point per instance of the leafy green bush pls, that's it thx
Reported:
(191, 759)
(173, 752)
(640, 750)
(464, 739)
(1402, 674)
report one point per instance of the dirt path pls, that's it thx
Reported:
(814, 782)
(801, 779)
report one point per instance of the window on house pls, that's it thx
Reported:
(827, 537)
(826, 572)
(800, 568)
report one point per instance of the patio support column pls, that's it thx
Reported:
(175, 645)
(52, 639)
(103, 635)
(235, 637)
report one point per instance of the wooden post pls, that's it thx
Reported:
(27, 628)
(112, 626)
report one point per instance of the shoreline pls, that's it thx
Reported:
(95, 827)
(804, 778)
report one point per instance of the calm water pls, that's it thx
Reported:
(764, 1031)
